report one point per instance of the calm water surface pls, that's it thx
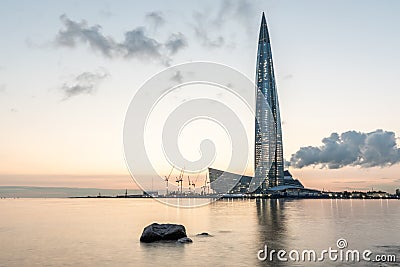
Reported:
(105, 232)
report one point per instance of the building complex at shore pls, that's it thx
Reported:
(270, 180)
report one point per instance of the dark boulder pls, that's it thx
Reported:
(156, 232)
(184, 240)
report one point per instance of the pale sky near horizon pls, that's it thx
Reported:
(63, 97)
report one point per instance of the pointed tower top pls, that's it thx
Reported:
(264, 35)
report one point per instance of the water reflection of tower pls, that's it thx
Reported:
(272, 226)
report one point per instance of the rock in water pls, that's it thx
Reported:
(156, 232)
(204, 234)
(184, 240)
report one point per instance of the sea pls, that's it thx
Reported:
(106, 232)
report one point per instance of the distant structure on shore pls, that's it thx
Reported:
(268, 147)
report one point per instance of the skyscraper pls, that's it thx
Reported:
(268, 150)
(268, 147)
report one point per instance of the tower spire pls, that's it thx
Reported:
(264, 35)
(268, 138)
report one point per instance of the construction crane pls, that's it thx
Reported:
(203, 189)
(179, 179)
(194, 183)
(190, 183)
(166, 180)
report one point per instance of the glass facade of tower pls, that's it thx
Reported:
(268, 147)
(268, 151)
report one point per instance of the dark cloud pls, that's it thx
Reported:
(176, 42)
(155, 19)
(378, 148)
(136, 44)
(84, 83)
(81, 32)
(286, 164)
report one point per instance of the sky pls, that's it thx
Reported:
(69, 70)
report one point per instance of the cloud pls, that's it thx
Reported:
(136, 43)
(202, 31)
(286, 163)
(374, 149)
(241, 10)
(177, 77)
(84, 83)
(207, 25)
(76, 32)
(3, 88)
(176, 42)
(155, 19)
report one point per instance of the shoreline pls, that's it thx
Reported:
(241, 197)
